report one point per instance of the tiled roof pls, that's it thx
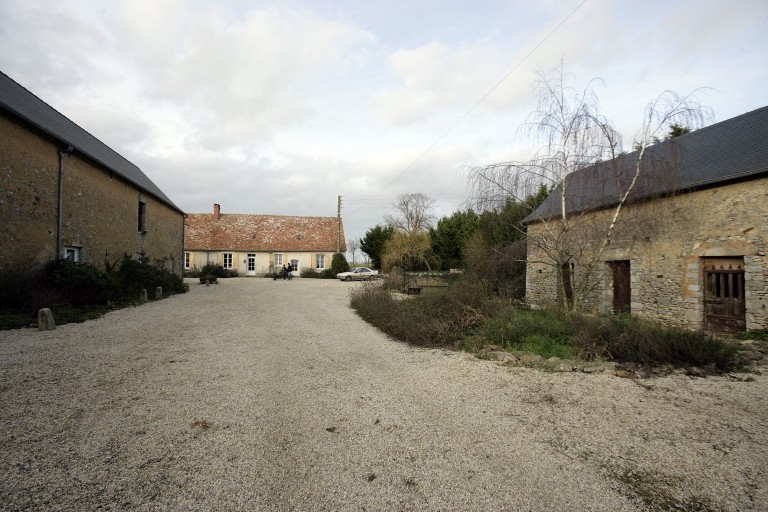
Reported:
(23, 104)
(730, 150)
(261, 233)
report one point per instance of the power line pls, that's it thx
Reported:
(478, 102)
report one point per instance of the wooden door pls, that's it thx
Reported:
(724, 307)
(622, 291)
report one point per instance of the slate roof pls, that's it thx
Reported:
(21, 103)
(730, 150)
(261, 233)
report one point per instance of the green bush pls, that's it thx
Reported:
(466, 315)
(24, 289)
(339, 264)
(15, 321)
(625, 338)
(75, 291)
(211, 269)
(310, 273)
(134, 276)
(439, 318)
(81, 284)
(509, 327)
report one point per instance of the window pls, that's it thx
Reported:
(227, 260)
(142, 217)
(72, 254)
(320, 261)
(187, 260)
(293, 265)
(278, 260)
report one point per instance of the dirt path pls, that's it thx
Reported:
(268, 395)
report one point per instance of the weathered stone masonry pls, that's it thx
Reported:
(100, 209)
(666, 242)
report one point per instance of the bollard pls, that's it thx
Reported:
(159, 293)
(45, 320)
(143, 298)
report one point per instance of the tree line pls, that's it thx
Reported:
(490, 239)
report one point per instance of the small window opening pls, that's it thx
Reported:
(142, 217)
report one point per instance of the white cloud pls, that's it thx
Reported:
(278, 107)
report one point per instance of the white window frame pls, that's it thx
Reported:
(74, 252)
(320, 261)
(226, 260)
(187, 260)
(277, 258)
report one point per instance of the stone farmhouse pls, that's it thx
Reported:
(65, 194)
(689, 247)
(260, 244)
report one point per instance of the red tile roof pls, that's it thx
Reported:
(261, 233)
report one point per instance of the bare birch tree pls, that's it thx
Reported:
(575, 136)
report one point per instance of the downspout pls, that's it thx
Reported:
(59, 206)
(183, 251)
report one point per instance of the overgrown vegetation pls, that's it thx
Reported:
(211, 269)
(465, 315)
(77, 292)
(441, 318)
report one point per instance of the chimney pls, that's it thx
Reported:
(216, 211)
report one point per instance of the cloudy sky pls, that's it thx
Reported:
(279, 107)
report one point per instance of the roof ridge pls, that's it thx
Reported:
(267, 215)
(703, 157)
(24, 104)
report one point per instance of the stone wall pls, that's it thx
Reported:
(666, 242)
(100, 209)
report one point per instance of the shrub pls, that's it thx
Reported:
(509, 327)
(440, 318)
(310, 273)
(465, 314)
(81, 284)
(24, 289)
(629, 339)
(339, 264)
(134, 276)
(15, 321)
(76, 291)
(211, 269)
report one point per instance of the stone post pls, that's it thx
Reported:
(45, 320)
(143, 297)
(159, 293)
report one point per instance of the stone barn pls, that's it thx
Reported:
(65, 194)
(689, 245)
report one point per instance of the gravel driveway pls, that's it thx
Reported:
(257, 394)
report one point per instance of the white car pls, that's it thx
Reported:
(358, 274)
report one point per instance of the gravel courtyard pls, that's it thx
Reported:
(257, 394)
